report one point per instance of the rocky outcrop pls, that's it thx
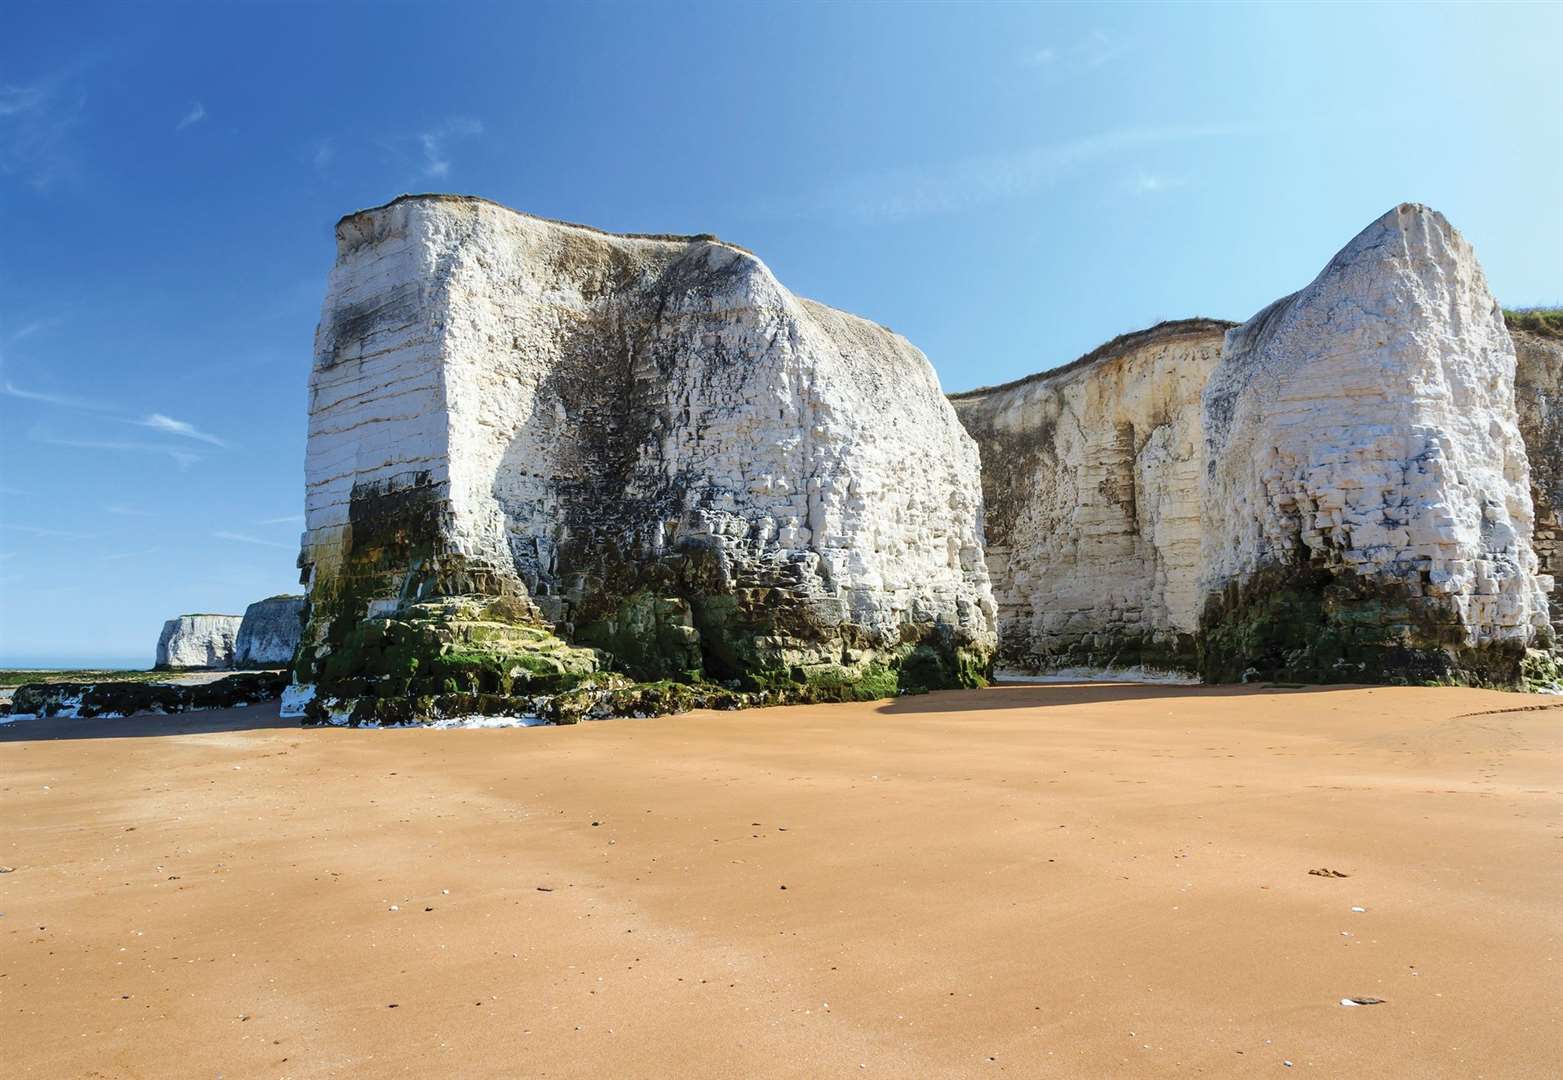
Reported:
(1538, 400)
(192, 642)
(1091, 478)
(644, 445)
(269, 634)
(1367, 504)
(115, 699)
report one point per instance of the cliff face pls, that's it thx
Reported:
(269, 633)
(646, 442)
(198, 641)
(1091, 484)
(1340, 489)
(1538, 399)
(1367, 500)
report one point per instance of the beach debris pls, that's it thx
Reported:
(1359, 909)
(395, 908)
(545, 888)
(1353, 1002)
(7, 869)
(1325, 871)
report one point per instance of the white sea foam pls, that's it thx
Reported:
(489, 722)
(295, 697)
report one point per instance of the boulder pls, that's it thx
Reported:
(1367, 505)
(270, 632)
(643, 444)
(192, 642)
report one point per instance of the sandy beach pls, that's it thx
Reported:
(1031, 881)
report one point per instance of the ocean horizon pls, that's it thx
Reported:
(74, 663)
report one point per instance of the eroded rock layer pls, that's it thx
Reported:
(1091, 478)
(644, 444)
(1538, 400)
(198, 641)
(1367, 504)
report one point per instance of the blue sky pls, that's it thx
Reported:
(1007, 186)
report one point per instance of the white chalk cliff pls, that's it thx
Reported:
(1365, 427)
(647, 439)
(1091, 479)
(269, 633)
(198, 641)
(1341, 488)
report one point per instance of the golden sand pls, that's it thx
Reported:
(1028, 881)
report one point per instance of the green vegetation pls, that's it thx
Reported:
(1318, 625)
(20, 676)
(1542, 321)
(474, 655)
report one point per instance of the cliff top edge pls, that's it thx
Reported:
(1166, 330)
(432, 196)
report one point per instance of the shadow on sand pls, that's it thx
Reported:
(1044, 695)
(1002, 696)
(141, 725)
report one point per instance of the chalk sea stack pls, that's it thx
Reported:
(1354, 485)
(1367, 505)
(542, 457)
(197, 642)
(269, 634)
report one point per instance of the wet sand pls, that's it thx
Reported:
(1030, 881)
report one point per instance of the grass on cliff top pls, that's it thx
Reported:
(1543, 321)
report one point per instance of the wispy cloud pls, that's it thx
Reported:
(902, 194)
(15, 100)
(243, 539)
(130, 554)
(35, 530)
(435, 143)
(1088, 53)
(169, 426)
(7, 489)
(27, 330)
(36, 125)
(193, 115)
(66, 401)
(290, 519)
(183, 458)
(158, 422)
(322, 153)
(1149, 183)
(127, 511)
